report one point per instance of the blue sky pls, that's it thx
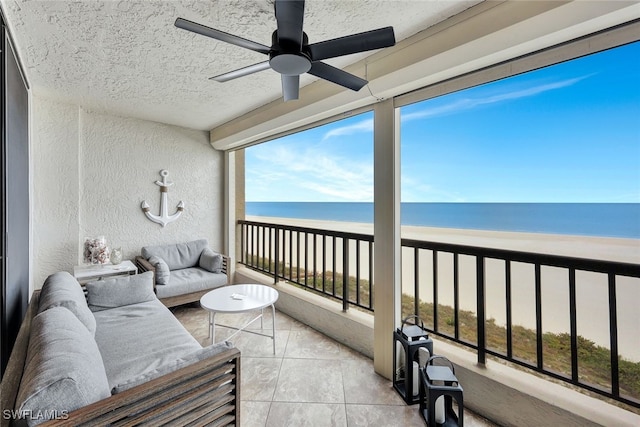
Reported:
(566, 133)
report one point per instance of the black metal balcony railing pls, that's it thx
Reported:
(319, 260)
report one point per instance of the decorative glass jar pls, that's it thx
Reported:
(95, 250)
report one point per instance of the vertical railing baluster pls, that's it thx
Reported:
(306, 259)
(435, 290)
(371, 275)
(456, 297)
(573, 325)
(256, 245)
(315, 263)
(334, 259)
(290, 254)
(262, 252)
(358, 272)
(345, 274)
(480, 309)
(271, 234)
(538, 291)
(324, 263)
(276, 258)
(256, 249)
(298, 257)
(243, 246)
(507, 294)
(416, 281)
(613, 332)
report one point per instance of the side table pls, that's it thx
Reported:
(88, 273)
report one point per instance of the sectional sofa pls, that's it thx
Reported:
(117, 355)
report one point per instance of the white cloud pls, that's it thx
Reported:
(363, 126)
(469, 103)
(286, 172)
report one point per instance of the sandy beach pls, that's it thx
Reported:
(592, 293)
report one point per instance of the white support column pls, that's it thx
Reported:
(386, 230)
(231, 188)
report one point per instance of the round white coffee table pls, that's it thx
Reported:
(240, 299)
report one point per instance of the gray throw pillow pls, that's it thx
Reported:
(162, 270)
(63, 371)
(119, 291)
(63, 290)
(211, 261)
(179, 255)
(167, 368)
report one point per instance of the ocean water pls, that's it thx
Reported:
(582, 219)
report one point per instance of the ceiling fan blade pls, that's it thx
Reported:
(361, 42)
(241, 72)
(290, 16)
(337, 76)
(221, 35)
(290, 87)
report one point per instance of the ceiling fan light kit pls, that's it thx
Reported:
(290, 53)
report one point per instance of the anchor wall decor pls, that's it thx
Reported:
(164, 218)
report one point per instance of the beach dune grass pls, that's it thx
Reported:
(594, 361)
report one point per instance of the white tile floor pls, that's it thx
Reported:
(310, 381)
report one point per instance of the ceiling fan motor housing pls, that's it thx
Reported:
(287, 57)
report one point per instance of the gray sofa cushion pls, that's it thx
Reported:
(63, 370)
(177, 256)
(139, 338)
(120, 291)
(162, 270)
(190, 280)
(189, 359)
(63, 290)
(210, 261)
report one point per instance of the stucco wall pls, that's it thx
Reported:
(92, 171)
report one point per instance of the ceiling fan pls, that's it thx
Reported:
(291, 54)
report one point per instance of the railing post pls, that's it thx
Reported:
(539, 335)
(435, 289)
(416, 280)
(480, 308)
(345, 274)
(243, 245)
(613, 332)
(276, 260)
(456, 297)
(573, 325)
(509, 314)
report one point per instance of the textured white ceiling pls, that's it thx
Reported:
(127, 57)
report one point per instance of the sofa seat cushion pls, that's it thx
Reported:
(189, 280)
(177, 256)
(139, 338)
(63, 371)
(61, 289)
(189, 359)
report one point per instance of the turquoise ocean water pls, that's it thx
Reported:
(583, 219)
